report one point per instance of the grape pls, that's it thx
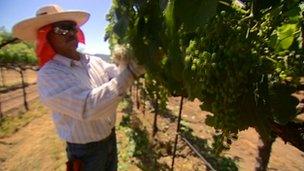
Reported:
(193, 67)
(188, 59)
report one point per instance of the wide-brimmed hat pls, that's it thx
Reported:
(27, 29)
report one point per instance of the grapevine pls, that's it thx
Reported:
(242, 63)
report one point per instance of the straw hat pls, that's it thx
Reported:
(27, 29)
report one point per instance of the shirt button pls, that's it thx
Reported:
(72, 64)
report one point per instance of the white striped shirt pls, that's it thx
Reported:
(83, 96)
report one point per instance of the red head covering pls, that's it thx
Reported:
(44, 50)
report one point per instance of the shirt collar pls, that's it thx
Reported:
(67, 61)
(85, 58)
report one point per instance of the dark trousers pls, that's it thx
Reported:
(94, 156)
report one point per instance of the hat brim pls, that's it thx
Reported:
(27, 29)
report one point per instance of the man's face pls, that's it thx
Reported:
(63, 36)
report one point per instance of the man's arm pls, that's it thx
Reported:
(110, 68)
(63, 94)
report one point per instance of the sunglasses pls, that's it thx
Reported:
(65, 29)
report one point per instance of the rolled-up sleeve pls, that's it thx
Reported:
(63, 93)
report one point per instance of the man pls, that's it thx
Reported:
(82, 91)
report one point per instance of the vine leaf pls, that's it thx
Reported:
(194, 13)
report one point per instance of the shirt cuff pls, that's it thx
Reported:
(123, 81)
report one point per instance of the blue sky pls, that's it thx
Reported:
(13, 11)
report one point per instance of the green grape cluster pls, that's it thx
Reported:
(221, 70)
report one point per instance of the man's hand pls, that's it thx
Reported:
(121, 56)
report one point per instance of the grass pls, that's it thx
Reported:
(125, 142)
(126, 148)
(11, 124)
(135, 149)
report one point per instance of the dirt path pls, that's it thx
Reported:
(34, 147)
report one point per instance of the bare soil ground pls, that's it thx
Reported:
(284, 157)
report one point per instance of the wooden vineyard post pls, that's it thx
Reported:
(1, 114)
(177, 130)
(144, 106)
(302, 30)
(2, 76)
(156, 110)
(23, 89)
(137, 96)
(143, 98)
(131, 90)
